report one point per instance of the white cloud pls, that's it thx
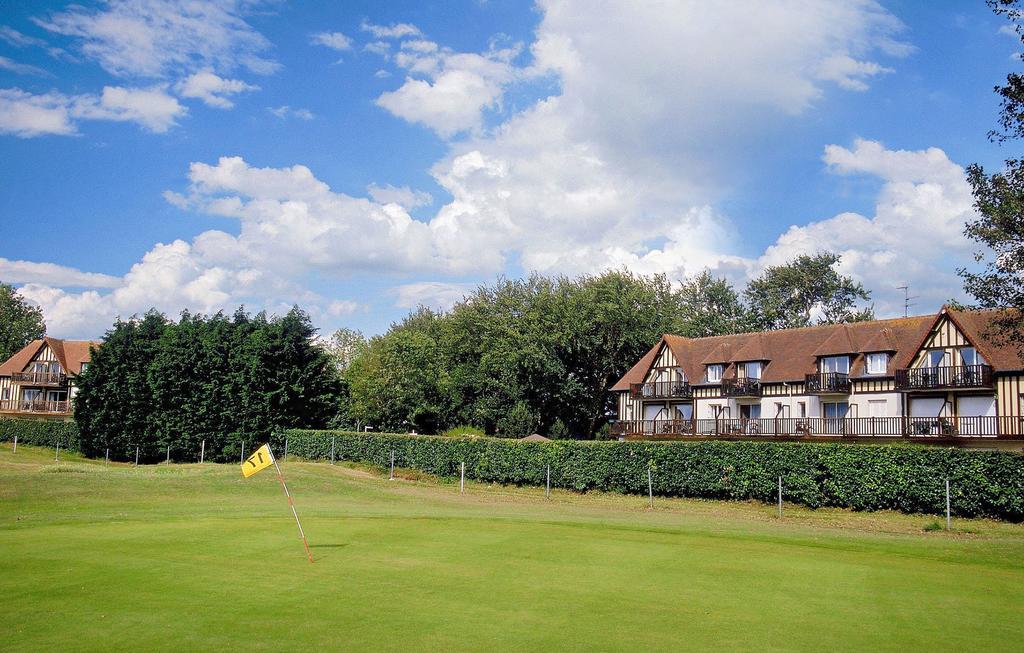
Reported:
(51, 274)
(26, 115)
(393, 31)
(437, 295)
(915, 236)
(402, 196)
(448, 91)
(150, 107)
(22, 68)
(284, 112)
(18, 39)
(165, 38)
(212, 89)
(624, 164)
(333, 40)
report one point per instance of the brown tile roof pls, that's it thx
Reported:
(793, 353)
(69, 353)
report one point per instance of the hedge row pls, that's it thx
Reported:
(908, 478)
(43, 433)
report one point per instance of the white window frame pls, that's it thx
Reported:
(877, 363)
(752, 365)
(834, 365)
(715, 372)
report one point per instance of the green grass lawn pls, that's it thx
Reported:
(189, 557)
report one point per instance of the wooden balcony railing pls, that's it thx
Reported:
(827, 383)
(935, 378)
(810, 427)
(661, 390)
(741, 387)
(35, 406)
(40, 378)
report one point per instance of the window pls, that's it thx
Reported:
(752, 370)
(935, 358)
(835, 410)
(682, 411)
(801, 408)
(835, 365)
(6, 394)
(877, 363)
(714, 373)
(753, 411)
(970, 356)
(877, 407)
(84, 366)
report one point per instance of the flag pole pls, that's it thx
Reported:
(291, 504)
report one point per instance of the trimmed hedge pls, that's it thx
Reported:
(43, 433)
(908, 478)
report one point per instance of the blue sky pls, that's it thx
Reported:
(358, 158)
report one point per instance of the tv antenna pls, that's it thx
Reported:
(906, 298)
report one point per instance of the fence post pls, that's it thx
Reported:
(106, 457)
(949, 517)
(202, 453)
(650, 485)
(547, 485)
(57, 455)
(462, 478)
(286, 449)
(780, 497)
(136, 456)
(242, 459)
(333, 439)
(392, 477)
(168, 454)
(15, 445)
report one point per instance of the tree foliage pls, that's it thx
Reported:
(999, 201)
(804, 291)
(20, 322)
(540, 353)
(154, 384)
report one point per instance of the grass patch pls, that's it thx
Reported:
(193, 557)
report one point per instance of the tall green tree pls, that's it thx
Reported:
(999, 201)
(805, 291)
(710, 306)
(224, 381)
(114, 405)
(20, 322)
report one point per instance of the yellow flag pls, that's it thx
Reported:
(261, 459)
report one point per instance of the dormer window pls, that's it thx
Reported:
(834, 365)
(877, 363)
(752, 370)
(714, 373)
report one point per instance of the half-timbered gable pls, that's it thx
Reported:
(935, 375)
(39, 379)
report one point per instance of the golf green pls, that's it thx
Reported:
(194, 557)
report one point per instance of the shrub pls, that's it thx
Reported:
(43, 433)
(861, 477)
(464, 431)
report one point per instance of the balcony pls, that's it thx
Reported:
(741, 387)
(827, 383)
(918, 429)
(944, 378)
(35, 406)
(661, 390)
(40, 378)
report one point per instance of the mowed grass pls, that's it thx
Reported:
(189, 557)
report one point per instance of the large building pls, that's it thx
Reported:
(39, 380)
(932, 377)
